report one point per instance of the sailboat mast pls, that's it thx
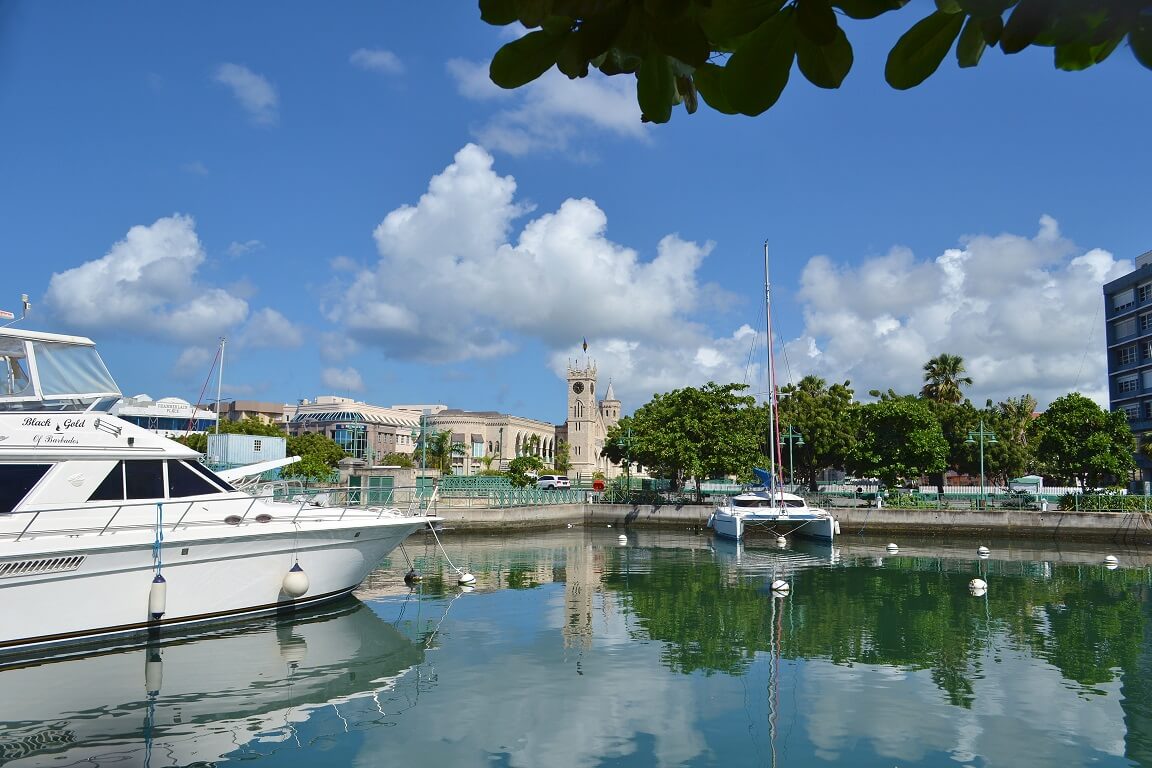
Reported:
(773, 441)
(220, 383)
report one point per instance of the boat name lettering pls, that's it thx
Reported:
(75, 423)
(52, 439)
(32, 421)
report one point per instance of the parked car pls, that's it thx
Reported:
(552, 482)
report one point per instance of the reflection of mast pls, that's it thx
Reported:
(774, 673)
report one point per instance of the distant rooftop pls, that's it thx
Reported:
(1144, 259)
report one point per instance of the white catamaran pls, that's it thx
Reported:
(108, 529)
(767, 507)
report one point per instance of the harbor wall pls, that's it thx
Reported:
(1131, 527)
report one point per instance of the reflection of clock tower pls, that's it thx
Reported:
(585, 429)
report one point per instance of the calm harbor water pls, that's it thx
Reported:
(577, 648)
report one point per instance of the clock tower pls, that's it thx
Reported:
(585, 428)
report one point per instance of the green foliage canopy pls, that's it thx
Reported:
(1077, 439)
(824, 416)
(738, 55)
(899, 438)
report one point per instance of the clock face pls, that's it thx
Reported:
(578, 387)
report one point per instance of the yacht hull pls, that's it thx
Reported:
(210, 574)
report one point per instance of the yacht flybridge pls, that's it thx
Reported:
(108, 529)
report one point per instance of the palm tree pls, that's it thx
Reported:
(943, 377)
(441, 451)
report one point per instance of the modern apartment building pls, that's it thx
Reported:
(1128, 334)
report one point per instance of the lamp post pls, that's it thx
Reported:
(794, 438)
(980, 435)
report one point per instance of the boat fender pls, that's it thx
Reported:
(157, 597)
(153, 673)
(836, 527)
(711, 517)
(295, 581)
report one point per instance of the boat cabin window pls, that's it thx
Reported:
(767, 502)
(144, 479)
(183, 480)
(14, 368)
(71, 369)
(15, 482)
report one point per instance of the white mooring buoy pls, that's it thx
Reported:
(466, 578)
(983, 551)
(295, 581)
(157, 597)
(1111, 562)
(893, 548)
(780, 586)
(781, 540)
(978, 587)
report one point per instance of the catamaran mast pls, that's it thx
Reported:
(773, 438)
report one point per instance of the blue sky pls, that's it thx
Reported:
(341, 193)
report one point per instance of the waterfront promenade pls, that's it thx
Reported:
(1122, 527)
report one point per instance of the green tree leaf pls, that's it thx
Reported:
(1140, 40)
(758, 70)
(710, 84)
(867, 9)
(499, 12)
(1027, 20)
(816, 21)
(971, 45)
(919, 51)
(682, 39)
(825, 66)
(522, 61)
(655, 89)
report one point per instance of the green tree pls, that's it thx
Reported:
(563, 459)
(1077, 439)
(703, 432)
(1011, 455)
(823, 415)
(439, 450)
(899, 438)
(738, 56)
(318, 454)
(198, 441)
(522, 470)
(398, 460)
(943, 377)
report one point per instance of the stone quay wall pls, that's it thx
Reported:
(1129, 527)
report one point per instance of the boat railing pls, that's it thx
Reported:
(234, 509)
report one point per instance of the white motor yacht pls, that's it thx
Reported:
(108, 529)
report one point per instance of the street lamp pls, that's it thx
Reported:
(981, 434)
(794, 438)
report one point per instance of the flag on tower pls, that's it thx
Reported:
(585, 343)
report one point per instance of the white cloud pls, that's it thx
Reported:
(342, 379)
(549, 113)
(256, 95)
(268, 328)
(377, 60)
(236, 248)
(1022, 312)
(196, 168)
(470, 291)
(146, 284)
(481, 279)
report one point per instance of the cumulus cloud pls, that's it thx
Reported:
(147, 284)
(469, 290)
(377, 60)
(267, 328)
(551, 111)
(236, 248)
(342, 379)
(1021, 311)
(256, 95)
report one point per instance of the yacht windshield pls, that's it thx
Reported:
(14, 368)
(71, 370)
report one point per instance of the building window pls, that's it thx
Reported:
(1126, 355)
(1132, 410)
(1125, 328)
(1146, 322)
(257, 445)
(1144, 292)
(1123, 300)
(1127, 384)
(1148, 410)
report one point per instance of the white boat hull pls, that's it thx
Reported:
(211, 573)
(734, 524)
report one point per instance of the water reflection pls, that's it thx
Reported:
(199, 698)
(579, 649)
